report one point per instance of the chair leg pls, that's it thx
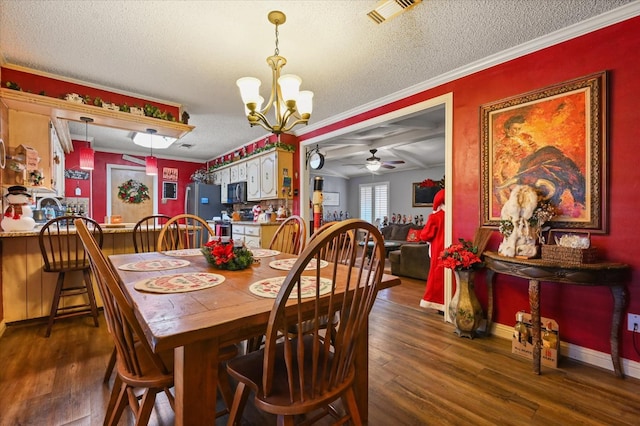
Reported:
(110, 366)
(146, 406)
(113, 399)
(54, 303)
(285, 420)
(92, 297)
(239, 401)
(120, 401)
(350, 404)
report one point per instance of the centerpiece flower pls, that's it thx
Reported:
(223, 255)
(461, 256)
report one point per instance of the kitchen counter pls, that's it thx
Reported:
(106, 229)
(28, 290)
(250, 222)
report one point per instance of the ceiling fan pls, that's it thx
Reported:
(373, 163)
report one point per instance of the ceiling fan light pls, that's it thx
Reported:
(373, 166)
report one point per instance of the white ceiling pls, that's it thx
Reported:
(192, 52)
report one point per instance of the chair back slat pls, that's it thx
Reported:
(339, 250)
(316, 364)
(145, 232)
(290, 237)
(61, 247)
(184, 231)
(125, 329)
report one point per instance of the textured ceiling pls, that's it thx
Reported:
(192, 52)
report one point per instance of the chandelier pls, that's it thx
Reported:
(291, 106)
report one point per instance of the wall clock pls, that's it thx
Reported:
(316, 160)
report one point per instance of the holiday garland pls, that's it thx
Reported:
(133, 192)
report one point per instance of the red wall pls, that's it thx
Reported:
(583, 313)
(99, 177)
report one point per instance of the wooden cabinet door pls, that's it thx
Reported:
(268, 184)
(242, 172)
(233, 173)
(253, 179)
(225, 179)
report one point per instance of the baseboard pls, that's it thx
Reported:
(579, 353)
(3, 327)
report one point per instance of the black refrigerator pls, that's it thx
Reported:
(203, 200)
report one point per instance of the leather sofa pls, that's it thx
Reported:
(412, 258)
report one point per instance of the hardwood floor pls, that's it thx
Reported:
(420, 373)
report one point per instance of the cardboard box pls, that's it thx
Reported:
(524, 347)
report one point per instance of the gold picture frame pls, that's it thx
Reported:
(553, 139)
(423, 197)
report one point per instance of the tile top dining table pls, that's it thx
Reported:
(195, 324)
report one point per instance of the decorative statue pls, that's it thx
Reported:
(520, 207)
(18, 215)
(433, 233)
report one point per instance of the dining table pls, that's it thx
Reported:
(195, 324)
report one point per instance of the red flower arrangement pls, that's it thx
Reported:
(430, 183)
(463, 255)
(223, 255)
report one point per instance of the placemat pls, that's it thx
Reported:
(259, 252)
(179, 283)
(183, 252)
(287, 264)
(154, 265)
(271, 286)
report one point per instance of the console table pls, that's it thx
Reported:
(608, 274)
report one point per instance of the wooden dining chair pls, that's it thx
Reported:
(339, 250)
(144, 241)
(184, 231)
(290, 237)
(62, 252)
(300, 373)
(145, 232)
(138, 367)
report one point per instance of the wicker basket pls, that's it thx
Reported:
(573, 256)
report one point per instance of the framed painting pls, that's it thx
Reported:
(331, 198)
(423, 197)
(554, 140)
(170, 190)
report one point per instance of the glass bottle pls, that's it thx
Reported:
(521, 332)
(549, 337)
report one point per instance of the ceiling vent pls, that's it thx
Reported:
(387, 9)
(186, 145)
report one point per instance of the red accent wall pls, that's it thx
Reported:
(96, 186)
(583, 313)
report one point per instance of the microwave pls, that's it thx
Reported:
(237, 192)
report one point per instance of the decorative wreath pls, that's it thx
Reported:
(133, 192)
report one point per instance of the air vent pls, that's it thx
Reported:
(186, 145)
(387, 9)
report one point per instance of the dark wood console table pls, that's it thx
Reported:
(612, 275)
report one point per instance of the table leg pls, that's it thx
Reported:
(489, 281)
(534, 303)
(361, 382)
(195, 377)
(619, 295)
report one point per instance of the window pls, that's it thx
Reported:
(374, 201)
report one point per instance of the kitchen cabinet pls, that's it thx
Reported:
(34, 131)
(253, 235)
(225, 178)
(266, 174)
(242, 171)
(233, 173)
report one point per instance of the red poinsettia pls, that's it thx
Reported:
(221, 253)
(461, 256)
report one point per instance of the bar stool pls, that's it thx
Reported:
(62, 252)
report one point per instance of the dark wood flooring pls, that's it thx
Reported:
(421, 373)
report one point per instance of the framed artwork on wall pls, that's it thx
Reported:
(331, 198)
(554, 140)
(423, 196)
(170, 190)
